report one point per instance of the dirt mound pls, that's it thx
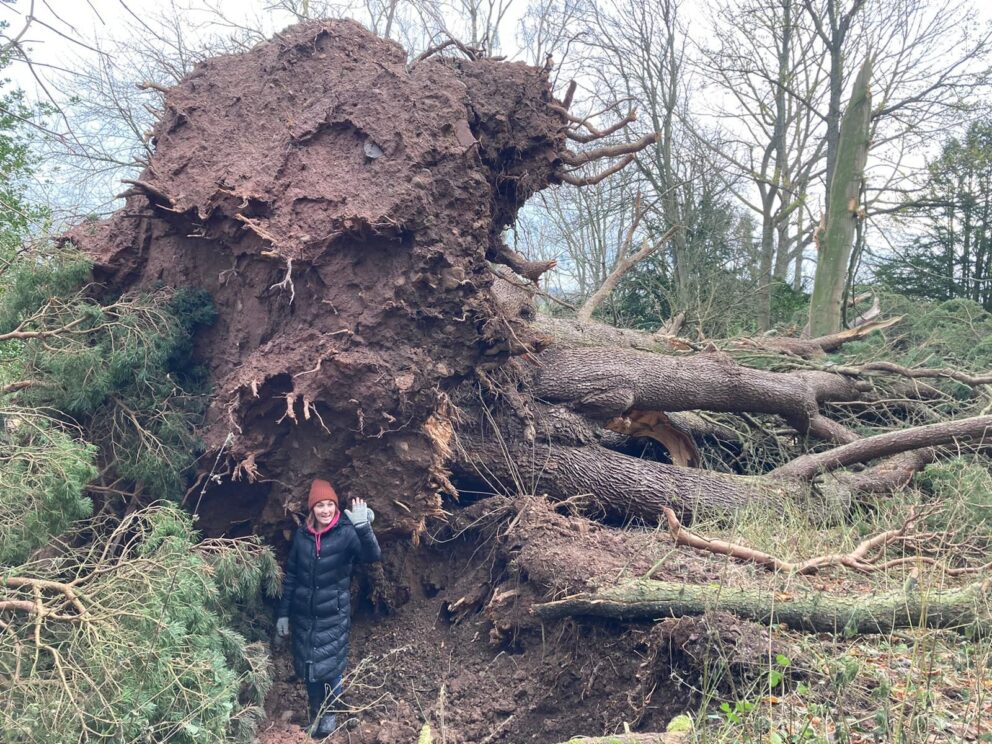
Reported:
(339, 206)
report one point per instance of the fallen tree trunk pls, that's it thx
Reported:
(591, 334)
(625, 488)
(605, 383)
(618, 486)
(965, 609)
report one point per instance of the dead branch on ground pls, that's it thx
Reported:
(856, 560)
(972, 431)
(964, 610)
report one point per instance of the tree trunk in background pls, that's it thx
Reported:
(825, 309)
(766, 258)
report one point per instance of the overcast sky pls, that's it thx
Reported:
(65, 29)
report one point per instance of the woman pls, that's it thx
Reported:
(316, 595)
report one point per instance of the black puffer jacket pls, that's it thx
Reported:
(316, 596)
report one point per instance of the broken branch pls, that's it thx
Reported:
(855, 560)
(974, 430)
(624, 265)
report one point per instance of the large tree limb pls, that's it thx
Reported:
(976, 430)
(605, 383)
(811, 348)
(965, 609)
(618, 486)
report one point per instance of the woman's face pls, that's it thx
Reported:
(324, 511)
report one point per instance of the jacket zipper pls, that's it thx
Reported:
(313, 618)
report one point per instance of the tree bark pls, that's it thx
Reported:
(825, 305)
(623, 487)
(963, 609)
(605, 383)
(973, 430)
(571, 332)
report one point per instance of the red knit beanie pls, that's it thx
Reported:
(321, 490)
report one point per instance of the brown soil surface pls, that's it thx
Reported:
(462, 652)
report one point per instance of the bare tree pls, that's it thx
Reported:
(551, 29)
(767, 66)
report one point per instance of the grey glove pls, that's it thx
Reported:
(359, 513)
(282, 627)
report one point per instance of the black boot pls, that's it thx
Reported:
(324, 726)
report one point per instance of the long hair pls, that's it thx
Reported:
(311, 522)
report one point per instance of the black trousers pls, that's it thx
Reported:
(324, 696)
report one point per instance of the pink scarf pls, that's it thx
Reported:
(315, 533)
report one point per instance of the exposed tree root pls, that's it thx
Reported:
(576, 159)
(591, 180)
(598, 134)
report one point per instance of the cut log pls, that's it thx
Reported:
(965, 609)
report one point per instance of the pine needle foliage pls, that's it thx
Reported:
(114, 630)
(44, 471)
(953, 333)
(122, 371)
(144, 651)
